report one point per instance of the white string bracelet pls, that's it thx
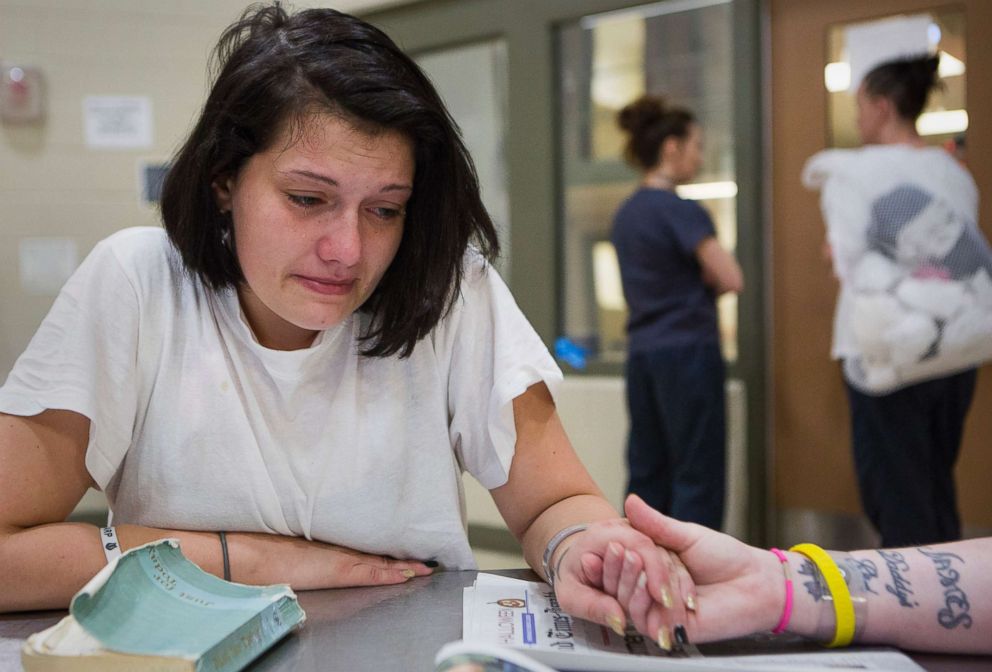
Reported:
(111, 547)
(552, 546)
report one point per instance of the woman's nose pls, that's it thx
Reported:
(340, 239)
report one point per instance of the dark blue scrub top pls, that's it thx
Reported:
(656, 234)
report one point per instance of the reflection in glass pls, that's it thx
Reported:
(684, 51)
(945, 118)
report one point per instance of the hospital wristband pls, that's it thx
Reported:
(111, 546)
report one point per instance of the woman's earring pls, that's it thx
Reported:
(225, 232)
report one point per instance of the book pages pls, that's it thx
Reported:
(153, 609)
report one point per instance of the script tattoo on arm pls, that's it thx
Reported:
(900, 586)
(868, 571)
(955, 610)
(814, 586)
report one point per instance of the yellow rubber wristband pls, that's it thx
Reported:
(843, 605)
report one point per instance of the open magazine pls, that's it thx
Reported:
(510, 625)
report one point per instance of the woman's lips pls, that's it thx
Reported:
(326, 286)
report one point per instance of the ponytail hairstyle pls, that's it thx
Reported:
(649, 123)
(906, 82)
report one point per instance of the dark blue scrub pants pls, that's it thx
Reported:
(677, 444)
(905, 446)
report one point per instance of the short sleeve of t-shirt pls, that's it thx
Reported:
(693, 227)
(83, 358)
(495, 355)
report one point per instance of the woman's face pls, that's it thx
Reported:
(683, 157)
(317, 221)
(872, 114)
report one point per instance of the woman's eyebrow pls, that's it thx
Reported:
(334, 183)
(312, 175)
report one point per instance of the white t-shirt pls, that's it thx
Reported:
(196, 426)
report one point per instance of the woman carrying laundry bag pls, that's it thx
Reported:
(914, 314)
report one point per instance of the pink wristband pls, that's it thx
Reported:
(787, 611)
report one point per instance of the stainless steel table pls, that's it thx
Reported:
(382, 629)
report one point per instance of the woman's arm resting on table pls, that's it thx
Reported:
(549, 490)
(720, 270)
(931, 598)
(44, 561)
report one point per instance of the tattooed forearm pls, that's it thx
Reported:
(900, 586)
(814, 586)
(955, 611)
(868, 571)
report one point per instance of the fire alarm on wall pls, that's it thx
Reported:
(21, 94)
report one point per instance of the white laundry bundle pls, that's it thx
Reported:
(915, 270)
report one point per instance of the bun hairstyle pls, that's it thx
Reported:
(649, 123)
(906, 82)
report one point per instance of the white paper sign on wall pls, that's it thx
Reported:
(117, 122)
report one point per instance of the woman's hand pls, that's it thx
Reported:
(641, 580)
(305, 565)
(620, 575)
(740, 589)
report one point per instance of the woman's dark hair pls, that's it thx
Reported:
(649, 124)
(275, 68)
(906, 82)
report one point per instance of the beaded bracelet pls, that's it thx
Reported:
(840, 595)
(787, 610)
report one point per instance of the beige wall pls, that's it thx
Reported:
(812, 467)
(52, 184)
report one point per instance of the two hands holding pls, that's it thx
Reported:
(676, 582)
(682, 582)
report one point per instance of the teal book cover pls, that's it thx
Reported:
(154, 609)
